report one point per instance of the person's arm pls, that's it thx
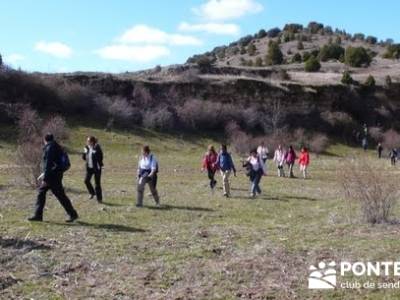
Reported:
(153, 165)
(204, 165)
(85, 151)
(232, 165)
(49, 162)
(100, 155)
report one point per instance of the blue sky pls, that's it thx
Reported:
(128, 35)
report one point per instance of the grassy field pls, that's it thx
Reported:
(197, 245)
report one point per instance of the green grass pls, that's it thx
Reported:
(198, 245)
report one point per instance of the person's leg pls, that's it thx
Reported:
(97, 181)
(291, 170)
(40, 202)
(58, 190)
(211, 178)
(257, 181)
(88, 178)
(223, 181)
(140, 192)
(153, 189)
(228, 186)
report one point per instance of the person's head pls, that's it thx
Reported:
(304, 149)
(224, 148)
(91, 141)
(253, 152)
(279, 147)
(211, 149)
(49, 137)
(146, 150)
(262, 143)
(290, 148)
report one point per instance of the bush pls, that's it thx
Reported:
(338, 40)
(162, 118)
(293, 28)
(306, 56)
(123, 114)
(388, 81)
(359, 36)
(331, 51)
(366, 189)
(300, 45)
(391, 139)
(392, 51)
(370, 81)
(274, 56)
(346, 78)
(371, 40)
(315, 27)
(357, 57)
(251, 49)
(274, 32)
(258, 62)
(319, 143)
(312, 65)
(296, 58)
(31, 129)
(261, 34)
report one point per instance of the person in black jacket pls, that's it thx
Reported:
(51, 179)
(93, 155)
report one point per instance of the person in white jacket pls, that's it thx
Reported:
(279, 159)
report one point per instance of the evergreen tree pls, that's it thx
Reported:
(274, 56)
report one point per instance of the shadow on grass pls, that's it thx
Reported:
(112, 204)
(301, 198)
(173, 207)
(110, 227)
(17, 243)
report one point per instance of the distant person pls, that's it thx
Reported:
(93, 155)
(226, 166)
(256, 169)
(210, 164)
(393, 156)
(54, 163)
(263, 152)
(147, 174)
(379, 149)
(279, 159)
(290, 159)
(364, 143)
(304, 161)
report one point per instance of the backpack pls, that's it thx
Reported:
(65, 163)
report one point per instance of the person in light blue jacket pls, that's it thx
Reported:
(226, 166)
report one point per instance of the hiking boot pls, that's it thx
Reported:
(35, 219)
(72, 218)
(91, 196)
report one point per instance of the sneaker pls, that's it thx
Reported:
(139, 205)
(35, 219)
(252, 195)
(72, 218)
(91, 196)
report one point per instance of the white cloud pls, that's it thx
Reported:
(215, 28)
(56, 49)
(149, 35)
(227, 9)
(13, 58)
(133, 53)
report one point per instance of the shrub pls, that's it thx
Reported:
(357, 57)
(122, 113)
(1, 61)
(388, 81)
(306, 56)
(259, 62)
(392, 51)
(296, 58)
(262, 33)
(300, 45)
(319, 143)
(376, 134)
(391, 139)
(274, 56)
(359, 36)
(331, 51)
(366, 189)
(31, 129)
(239, 140)
(346, 78)
(371, 40)
(274, 32)
(370, 81)
(293, 28)
(315, 27)
(312, 65)
(204, 62)
(338, 40)
(160, 118)
(251, 49)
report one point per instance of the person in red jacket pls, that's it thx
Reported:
(209, 164)
(304, 161)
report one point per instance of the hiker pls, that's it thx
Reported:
(93, 155)
(209, 164)
(255, 170)
(290, 159)
(379, 149)
(393, 156)
(263, 152)
(55, 162)
(364, 143)
(279, 159)
(225, 165)
(304, 161)
(147, 173)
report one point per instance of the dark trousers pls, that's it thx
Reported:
(97, 183)
(56, 187)
(255, 179)
(211, 176)
(393, 161)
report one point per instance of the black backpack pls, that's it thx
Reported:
(65, 163)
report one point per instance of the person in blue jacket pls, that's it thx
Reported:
(226, 166)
